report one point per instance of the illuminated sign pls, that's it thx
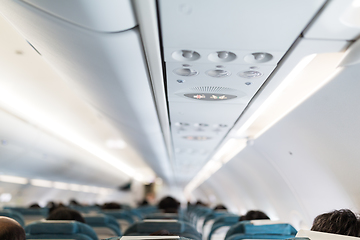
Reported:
(209, 96)
(197, 138)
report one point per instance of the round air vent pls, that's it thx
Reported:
(218, 73)
(186, 72)
(250, 74)
(258, 57)
(222, 56)
(186, 55)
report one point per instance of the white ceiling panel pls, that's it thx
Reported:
(101, 16)
(228, 24)
(328, 24)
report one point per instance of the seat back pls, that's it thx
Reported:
(221, 225)
(146, 227)
(105, 226)
(14, 215)
(31, 214)
(210, 219)
(123, 217)
(86, 209)
(256, 230)
(313, 235)
(58, 229)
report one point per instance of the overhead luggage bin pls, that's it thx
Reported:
(108, 71)
(99, 16)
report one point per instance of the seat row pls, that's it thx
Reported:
(105, 223)
(182, 224)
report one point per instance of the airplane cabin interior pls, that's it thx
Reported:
(220, 107)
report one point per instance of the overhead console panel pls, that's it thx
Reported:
(217, 55)
(101, 16)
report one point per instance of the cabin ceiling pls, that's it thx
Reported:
(95, 79)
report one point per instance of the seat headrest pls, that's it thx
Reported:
(246, 227)
(313, 235)
(162, 216)
(278, 229)
(30, 211)
(153, 226)
(14, 215)
(227, 219)
(99, 219)
(59, 227)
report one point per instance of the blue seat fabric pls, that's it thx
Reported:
(120, 214)
(14, 215)
(223, 221)
(179, 228)
(103, 221)
(30, 211)
(60, 230)
(249, 231)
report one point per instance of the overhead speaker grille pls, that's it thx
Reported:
(211, 89)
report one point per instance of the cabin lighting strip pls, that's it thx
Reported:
(23, 109)
(309, 75)
(55, 185)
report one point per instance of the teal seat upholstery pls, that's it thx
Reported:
(247, 230)
(105, 221)
(179, 228)
(120, 214)
(223, 221)
(30, 211)
(57, 229)
(14, 215)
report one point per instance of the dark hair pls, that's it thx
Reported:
(144, 203)
(10, 229)
(220, 207)
(341, 221)
(253, 215)
(63, 213)
(169, 205)
(111, 205)
(34, 205)
(162, 232)
(74, 202)
(200, 203)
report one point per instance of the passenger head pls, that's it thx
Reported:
(341, 221)
(220, 207)
(74, 202)
(111, 205)
(169, 205)
(162, 232)
(200, 203)
(11, 229)
(144, 203)
(52, 206)
(34, 205)
(63, 213)
(253, 215)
